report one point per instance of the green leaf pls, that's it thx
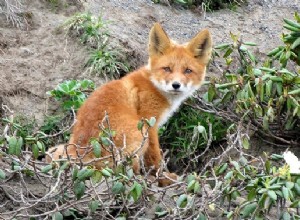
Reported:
(228, 52)
(190, 178)
(276, 157)
(140, 125)
(294, 92)
(96, 177)
(19, 146)
(12, 144)
(276, 79)
(151, 122)
(57, 216)
(35, 151)
(258, 111)
(79, 188)
(267, 70)
(182, 201)
(65, 165)
(105, 173)
(289, 184)
(251, 56)
(197, 187)
(235, 164)
(292, 23)
(2, 174)
(74, 173)
(161, 214)
(222, 169)
(295, 204)
(245, 143)
(201, 129)
(228, 175)
(94, 204)
(211, 93)
(84, 174)
(136, 191)
(279, 88)
(191, 185)
(252, 194)
(226, 85)
(47, 168)
(222, 46)
(266, 123)
(286, 216)
(105, 141)
(296, 43)
(291, 28)
(39, 145)
(272, 195)
(250, 43)
(118, 188)
(249, 209)
(285, 193)
(96, 148)
(269, 86)
(268, 166)
(297, 189)
(227, 96)
(201, 216)
(274, 51)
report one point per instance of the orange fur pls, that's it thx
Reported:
(147, 92)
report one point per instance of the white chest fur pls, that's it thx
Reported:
(175, 101)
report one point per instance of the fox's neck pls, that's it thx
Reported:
(174, 103)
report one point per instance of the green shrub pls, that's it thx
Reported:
(291, 49)
(91, 30)
(105, 60)
(206, 5)
(266, 95)
(72, 93)
(187, 133)
(106, 64)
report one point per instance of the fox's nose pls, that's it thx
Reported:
(176, 85)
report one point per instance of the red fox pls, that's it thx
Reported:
(172, 74)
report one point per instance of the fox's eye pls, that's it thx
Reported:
(188, 71)
(167, 69)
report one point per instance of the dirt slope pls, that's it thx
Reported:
(35, 59)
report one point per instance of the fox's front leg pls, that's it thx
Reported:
(153, 158)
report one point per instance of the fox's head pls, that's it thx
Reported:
(178, 69)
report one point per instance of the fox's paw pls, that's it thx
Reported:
(167, 179)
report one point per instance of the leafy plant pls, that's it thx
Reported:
(105, 60)
(291, 49)
(187, 132)
(102, 62)
(206, 5)
(20, 125)
(20, 137)
(72, 93)
(90, 29)
(266, 95)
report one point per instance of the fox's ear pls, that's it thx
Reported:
(201, 46)
(159, 41)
